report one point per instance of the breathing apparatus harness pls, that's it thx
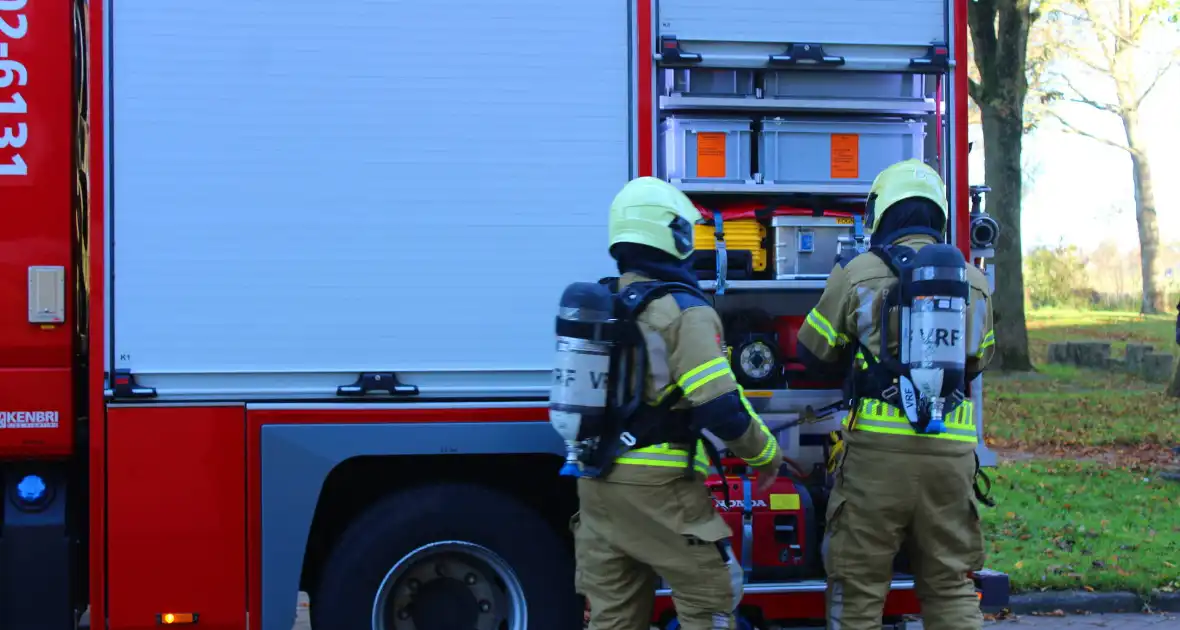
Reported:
(892, 380)
(626, 421)
(928, 381)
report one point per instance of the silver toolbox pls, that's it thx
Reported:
(805, 248)
(825, 152)
(811, 85)
(706, 150)
(709, 82)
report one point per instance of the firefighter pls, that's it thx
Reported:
(907, 474)
(651, 514)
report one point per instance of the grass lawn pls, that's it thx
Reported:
(1052, 325)
(1074, 509)
(1073, 525)
(1066, 407)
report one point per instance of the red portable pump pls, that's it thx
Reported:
(775, 532)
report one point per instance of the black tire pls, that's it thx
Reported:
(404, 521)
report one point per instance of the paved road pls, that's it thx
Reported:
(1088, 622)
(1081, 622)
(1093, 622)
(1030, 622)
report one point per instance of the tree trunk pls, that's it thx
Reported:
(1003, 135)
(1145, 215)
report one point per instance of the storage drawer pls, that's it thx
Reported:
(821, 152)
(809, 84)
(709, 82)
(740, 234)
(807, 247)
(706, 150)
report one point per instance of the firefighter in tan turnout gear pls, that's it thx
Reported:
(911, 323)
(648, 513)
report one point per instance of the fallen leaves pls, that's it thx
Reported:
(1069, 413)
(1081, 506)
(1117, 533)
(1137, 457)
(1004, 615)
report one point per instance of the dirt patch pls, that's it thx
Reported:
(1132, 457)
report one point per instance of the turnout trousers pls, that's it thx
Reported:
(884, 502)
(625, 535)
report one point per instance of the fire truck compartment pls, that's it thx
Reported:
(865, 32)
(296, 198)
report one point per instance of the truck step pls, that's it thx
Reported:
(801, 586)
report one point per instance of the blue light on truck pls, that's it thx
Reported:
(31, 490)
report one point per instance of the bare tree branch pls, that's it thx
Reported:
(1102, 67)
(1084, 100)
(1143, 19)
(1086, 19)
(1062, 32)
(1103, 27)
(1163, 70)
(1086, 134)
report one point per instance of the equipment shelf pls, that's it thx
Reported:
(764, 189)
(915, 107)
(766, 285)
(775, 401)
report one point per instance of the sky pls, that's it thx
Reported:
(1082, 191)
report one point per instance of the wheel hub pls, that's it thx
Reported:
(450, 586)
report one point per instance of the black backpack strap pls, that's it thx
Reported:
(982, 495)
(882, 366)
(896, 257)
(881, 375)
(638, 295)
(632, 301)
(638, 422)
(715, 460)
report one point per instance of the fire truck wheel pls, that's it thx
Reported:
(447, 556)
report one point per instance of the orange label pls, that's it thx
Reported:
(711, 155)
(845, 156)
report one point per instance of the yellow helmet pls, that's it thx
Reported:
(650, 211)
(904, 180)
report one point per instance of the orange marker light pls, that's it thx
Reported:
(168, 619)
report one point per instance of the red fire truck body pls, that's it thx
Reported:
(291, 269)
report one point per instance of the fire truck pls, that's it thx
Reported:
(279, 281)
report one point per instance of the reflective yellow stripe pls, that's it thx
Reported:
(746, 403)
(767, 454)
(875, 416)
(664, 456)
(989, 340)
(837, 447)
(701, 461)
(671, 387)
(821, 326)
(825, 329)
(962, 418)
(703, 374)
